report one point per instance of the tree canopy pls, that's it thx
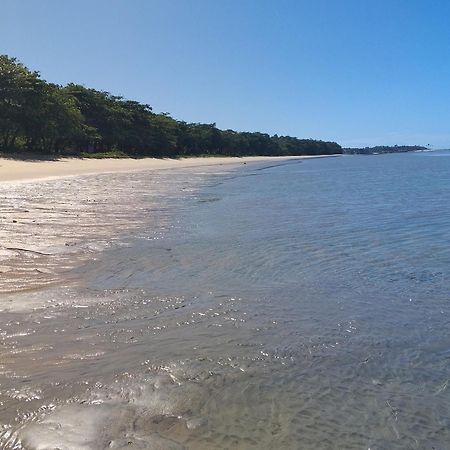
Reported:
(43, 117)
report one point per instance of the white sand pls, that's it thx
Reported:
(16, 170)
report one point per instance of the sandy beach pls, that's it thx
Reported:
(18, 170)
(96, 278)
(226, 306)
(55, 213)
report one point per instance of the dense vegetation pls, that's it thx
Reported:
(383, 149)
(38, 116)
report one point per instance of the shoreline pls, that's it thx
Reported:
(34, 254)
(47, 231)
(24, 171)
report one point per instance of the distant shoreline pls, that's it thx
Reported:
(384, 149)
(14, 170)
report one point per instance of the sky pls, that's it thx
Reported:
(358, 72)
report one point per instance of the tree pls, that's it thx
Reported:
(40, 116)
(17, 92)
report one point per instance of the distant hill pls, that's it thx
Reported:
(383, 149)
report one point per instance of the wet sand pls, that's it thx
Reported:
(167, 309)
(57, 214)
(60, 338)
(18, 170)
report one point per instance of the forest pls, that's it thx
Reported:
(41, 117)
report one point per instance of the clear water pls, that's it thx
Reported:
(301, 306)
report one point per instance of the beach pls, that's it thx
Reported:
(25, 170)
(157, 293)
(55, 214)
(273, 304)
(66, 295)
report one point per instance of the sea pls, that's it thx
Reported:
(300, 304)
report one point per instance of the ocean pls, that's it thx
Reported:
(300, 305)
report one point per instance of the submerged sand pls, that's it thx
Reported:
(57, 214)
(18, 170)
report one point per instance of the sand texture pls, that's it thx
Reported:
(18, 170)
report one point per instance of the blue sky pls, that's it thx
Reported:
(360, 72)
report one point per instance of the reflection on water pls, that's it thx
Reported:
(302, 306)
(49, 227)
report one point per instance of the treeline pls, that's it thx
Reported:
(383, 149)
(38, 116)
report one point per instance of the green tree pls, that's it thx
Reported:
(17, 91)
(45, 117)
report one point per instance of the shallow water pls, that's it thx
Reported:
(298, 306)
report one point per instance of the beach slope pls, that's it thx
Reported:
(25, 170)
